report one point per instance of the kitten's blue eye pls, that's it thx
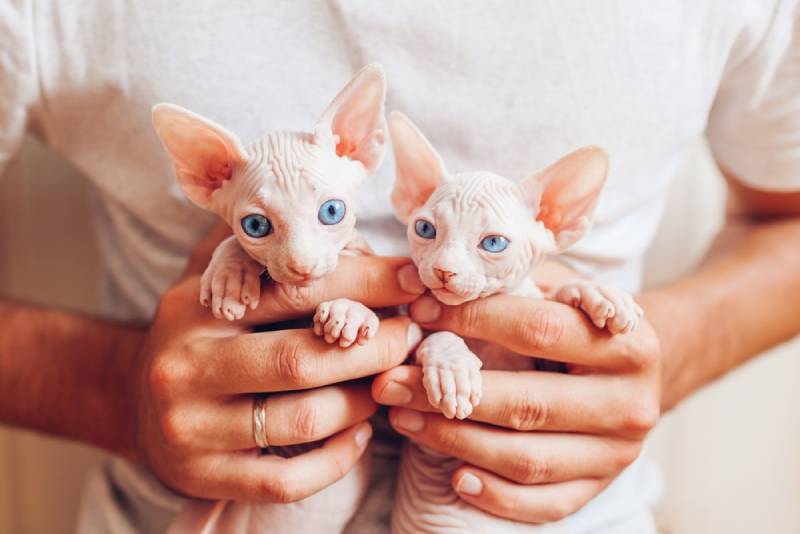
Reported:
(332, 212)
(494, 243)
(256, 225)
(424, 229)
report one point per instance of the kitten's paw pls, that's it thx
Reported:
(607, 307)
(451, 374)
(345, 321)
(230, 286)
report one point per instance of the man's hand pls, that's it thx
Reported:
(197, 376)
(539, 445)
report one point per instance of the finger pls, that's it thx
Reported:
(534, 400)
(271, 478)
(288, 360)
(202, 252)
(375, 281)
(538, 328)
(544, 503)
(526, 458)
(290, 418)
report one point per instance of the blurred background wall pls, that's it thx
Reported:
(730, 454)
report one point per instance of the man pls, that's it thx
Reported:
(494, 85)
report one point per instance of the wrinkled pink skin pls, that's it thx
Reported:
(286, 177)
(540, 216)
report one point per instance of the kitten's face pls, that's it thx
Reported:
(291, 206)
(473, 234)
(289, 197)
(475, 237)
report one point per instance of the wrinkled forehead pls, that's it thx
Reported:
(291, 164)
(479, 200)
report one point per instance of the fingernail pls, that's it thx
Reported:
(469, 485)
(363, 435)
(425, 310)
(414, 335)
(408, 278)
(395, 394)
(409, 420)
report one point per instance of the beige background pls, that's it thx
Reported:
(729, 455)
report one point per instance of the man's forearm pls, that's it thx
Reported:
(741, 301)
(67, 374)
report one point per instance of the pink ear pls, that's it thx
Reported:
(419, 167)
(204, 154)
(356, 118)
(566, 193)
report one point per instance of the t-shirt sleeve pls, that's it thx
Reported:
(754, 125)
(18, 82)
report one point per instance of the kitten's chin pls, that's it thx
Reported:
(445, 296)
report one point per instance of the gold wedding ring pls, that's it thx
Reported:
(260, 421)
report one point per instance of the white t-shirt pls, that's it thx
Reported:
(505, 86)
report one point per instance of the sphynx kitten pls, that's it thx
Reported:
(472, 235)
(289, 198)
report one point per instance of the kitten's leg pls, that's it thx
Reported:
(231, 282)
(607, 307)
(345, 321)
(451, 374)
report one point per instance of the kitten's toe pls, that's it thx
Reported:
(626, 311)
(233, 310)
(251, 289)
(430, 380)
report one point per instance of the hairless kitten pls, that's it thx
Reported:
(289, 198)
(474, 234)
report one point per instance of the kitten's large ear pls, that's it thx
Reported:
(566, 193)
(355, 120)
(204, 154)
(419, 167)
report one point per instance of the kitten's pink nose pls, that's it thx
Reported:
(443, 275)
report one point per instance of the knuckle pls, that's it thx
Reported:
(168, 375)
(527, 413)
(640, 415)
(528, 470)
(340, 466)
(560, 508)
(279, 490)
(292, 366)
(393, 351)
(374, 282)
(508, 506)
(306, 421)
(643, 353)
(539, 329)
(625, 455)
(175, 428)
(450, 440)
(468, 317)
(294, 298)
